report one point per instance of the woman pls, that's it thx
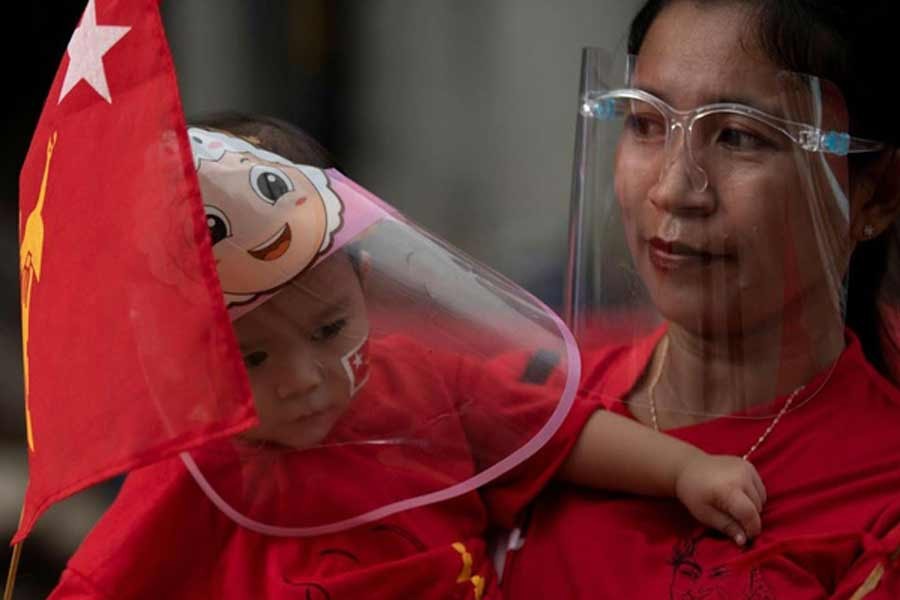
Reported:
(742, 188)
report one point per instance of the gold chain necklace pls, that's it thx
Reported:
(765, 434)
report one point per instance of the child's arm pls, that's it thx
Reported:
(615, 453)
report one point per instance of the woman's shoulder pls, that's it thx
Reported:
(855, 371)
(613, 362)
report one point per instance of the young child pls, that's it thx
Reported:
(395, 427)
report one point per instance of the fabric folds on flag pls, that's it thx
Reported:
(128, 351)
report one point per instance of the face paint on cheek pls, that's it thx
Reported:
(356, 365)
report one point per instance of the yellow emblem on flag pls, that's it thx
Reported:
(30, 256)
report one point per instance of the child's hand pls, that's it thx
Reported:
(723, 492)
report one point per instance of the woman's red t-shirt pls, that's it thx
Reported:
(832, 472)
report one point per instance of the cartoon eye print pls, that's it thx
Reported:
(219, 226)
(270, 183)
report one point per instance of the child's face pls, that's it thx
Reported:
(293, 345)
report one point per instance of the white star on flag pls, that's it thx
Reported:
(357, 360)
(86, 49)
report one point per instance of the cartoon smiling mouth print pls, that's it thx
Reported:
(274, 247)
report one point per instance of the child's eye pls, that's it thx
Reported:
(326, 332)
(255, 359)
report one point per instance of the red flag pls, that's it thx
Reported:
(129, 354)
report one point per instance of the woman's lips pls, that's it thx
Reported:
(674, 255)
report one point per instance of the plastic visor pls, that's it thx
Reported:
(388, 370)
(709, 242)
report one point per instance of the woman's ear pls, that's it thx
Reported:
(875, 197)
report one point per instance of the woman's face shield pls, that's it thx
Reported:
(387, 370)
(714, 213)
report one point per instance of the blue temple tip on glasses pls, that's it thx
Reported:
(605, 109)
(600, 109)
(836, 143)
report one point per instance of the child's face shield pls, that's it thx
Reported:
(388, 371)
(714, 208)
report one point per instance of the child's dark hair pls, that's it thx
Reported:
(270, 134)
(846, 43)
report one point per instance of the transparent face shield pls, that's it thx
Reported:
(388, 371)
(710, 238)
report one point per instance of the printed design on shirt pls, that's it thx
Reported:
(31, 255)
(378, 544)
(870, 584)
(874, 578)
(401, 534)
(698, 572)
(465, 574)
(312, 591)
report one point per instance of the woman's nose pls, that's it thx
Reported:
(682, 187)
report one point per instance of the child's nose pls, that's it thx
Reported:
(302, 373)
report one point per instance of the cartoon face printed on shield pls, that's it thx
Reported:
(269, 219)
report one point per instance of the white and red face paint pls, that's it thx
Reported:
(356, 365)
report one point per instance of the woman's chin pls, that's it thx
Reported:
(700, 318)
(694, 308)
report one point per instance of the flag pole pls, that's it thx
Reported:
(13, 567)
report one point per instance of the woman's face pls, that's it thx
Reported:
(734, 255)
(298, 348)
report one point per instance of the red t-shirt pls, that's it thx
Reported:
(832, 472)
(163, 538)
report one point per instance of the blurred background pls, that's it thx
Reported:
(459, 112)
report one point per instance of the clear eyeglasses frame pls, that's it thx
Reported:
(607, 106)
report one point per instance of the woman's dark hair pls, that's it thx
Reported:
(849, 43)
(270, 134)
